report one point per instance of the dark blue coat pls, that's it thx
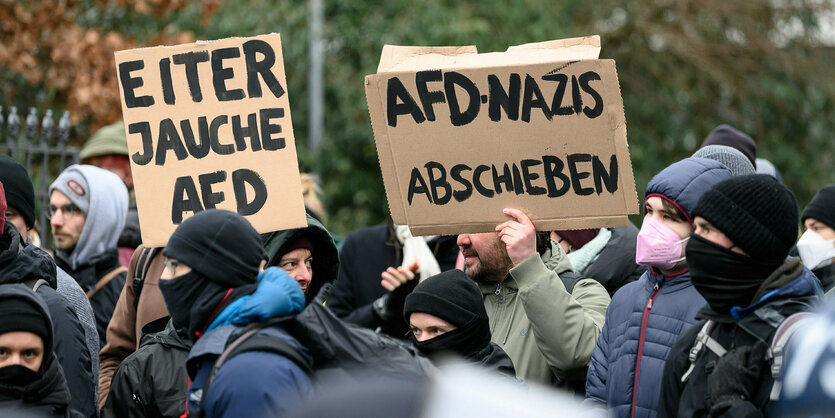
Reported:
(670, 304)
(250, 384)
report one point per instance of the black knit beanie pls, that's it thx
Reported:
(728, 136)
(822, 206)
(451, 296)
(21, 315)
(220, 245)
(20, 194)
(756, 212)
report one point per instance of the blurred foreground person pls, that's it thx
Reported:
(646, 316)
(460, 390)
(745, 227)
(817, 245)
(447, 317)
(31, 381)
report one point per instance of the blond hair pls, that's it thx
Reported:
(311, 190)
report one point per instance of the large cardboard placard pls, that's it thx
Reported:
(462, 135)
(208, 126)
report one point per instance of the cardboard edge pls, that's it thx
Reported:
(540, 225)
(592, 41)
(382, 142)
(393, 55)
(622, 143)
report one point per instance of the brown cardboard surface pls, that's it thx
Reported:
(257, 178)
(584, 138)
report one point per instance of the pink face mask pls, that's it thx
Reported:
(658, 245)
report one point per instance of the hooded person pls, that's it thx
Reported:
(645, 317)
(87, 207)
(31, 380)
(307, 254)
(212, 289)
(738, 259)
(817, 245)
(34, 268)
(446, 316)
(20, 199)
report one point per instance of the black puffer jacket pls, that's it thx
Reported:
(790, 289)
(87, 275)
(46, 397)
(365, 254)
(153, 381)
(28, 265)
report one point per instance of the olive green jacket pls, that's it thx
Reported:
(545, 330)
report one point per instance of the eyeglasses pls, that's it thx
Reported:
(171, 264)
(69, 210)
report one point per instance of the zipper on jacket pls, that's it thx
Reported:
(644, 320)
(498, 290)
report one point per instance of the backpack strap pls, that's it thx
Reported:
(106, 279)
(36, 283)
(703, 339)
(249, 341)
(777, 350)
(141, 270)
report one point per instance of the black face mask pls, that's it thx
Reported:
(17, 375)
(464, 341)
(723, 277)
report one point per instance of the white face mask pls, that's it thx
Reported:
(815, 251)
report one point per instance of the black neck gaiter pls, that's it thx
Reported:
(191, 299)
(723, 277)
(465, 341)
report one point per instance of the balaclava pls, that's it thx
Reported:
(759, 215)
(455, 298)
(224, 252)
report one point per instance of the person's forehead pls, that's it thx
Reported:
(425, 319)
(297, 253)
(58, 198)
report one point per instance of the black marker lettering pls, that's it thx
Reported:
(250, 131)
(414, 187)
(501, 99)
(185, 199)
(220, 74)
(129, 84)
(597, 110)
(455, 173)
(553, 168)
(263, 67)
(194, 149)
(610, 178)
(438, 182)
(529, 177)
(452, 79)
(165, 80)
(189, 60)
(210, 198)
(576, 176)
(268, 129)
(407, 106)
(242, 177)
(529, 101)
(427, 98)
(479, 186)
(169, 139)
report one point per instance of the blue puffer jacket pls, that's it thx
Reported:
(253, 383)
(648, 315)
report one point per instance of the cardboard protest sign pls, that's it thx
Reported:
(208, 126)
(462, 135)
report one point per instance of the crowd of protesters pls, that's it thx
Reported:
(715, 306)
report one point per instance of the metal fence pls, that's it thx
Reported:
(42, 149)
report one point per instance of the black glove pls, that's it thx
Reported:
(736, 377)
(388, 309)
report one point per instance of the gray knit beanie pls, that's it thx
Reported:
(732, 158)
